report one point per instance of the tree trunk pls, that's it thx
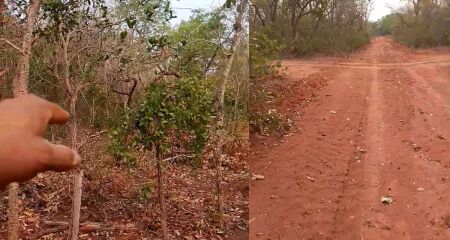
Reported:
(2, 73)
(2, 12)
(20, 87)
(294, 28)
(13, 211)
(220, 109)
(20, 83)
(218, 157)
(162, 201)
(72, 90)
(78, 175)
(76, 204)
(294, 36)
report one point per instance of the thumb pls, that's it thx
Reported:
(59, 158)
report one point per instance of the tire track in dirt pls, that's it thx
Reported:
(318, 153)
(361, 65)
(399, 160)
(406, 174)
(374, 131)
(432, 129)
(384, 221)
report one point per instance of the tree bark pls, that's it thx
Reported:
(2, 73)
(301, 6)
(20, 83)
(220, 109)
(72, 91)
(76, 205)
(162, 201)
(13, 211)
(2, 12)
(20, 87)
(78, 175)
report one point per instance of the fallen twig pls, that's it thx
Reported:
(59, 226)
(88, 138)
(11, 44)
(49, 231)
(178, 156)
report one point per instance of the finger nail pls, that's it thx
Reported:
(77, 159)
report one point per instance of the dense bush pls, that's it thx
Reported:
(419, 24)
(304, 27)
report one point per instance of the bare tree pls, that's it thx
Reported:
(69, 68)
(297, 10)
(20, 87)
(129, 93)
(73, 87)
(238, 26)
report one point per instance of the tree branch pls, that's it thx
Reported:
(129, 94)
(88, 138)
(167, 73)
(3, 72)
(11, 44)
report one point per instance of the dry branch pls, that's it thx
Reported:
(89, 138)
(59, 226)
(11, 44)
(178, 156)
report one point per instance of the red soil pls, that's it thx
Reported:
(379, 127)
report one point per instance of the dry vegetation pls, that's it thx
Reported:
(418, 23)
(106, 62)
(287, 28)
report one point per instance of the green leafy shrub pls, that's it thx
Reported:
(118, 136)
(146, 191)
(263, 54)
(172, 118)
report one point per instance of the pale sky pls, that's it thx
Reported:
(183, 8)
(382, 8)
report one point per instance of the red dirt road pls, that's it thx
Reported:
(380, 127)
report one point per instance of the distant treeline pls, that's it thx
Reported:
(308, 26)
(419, 23)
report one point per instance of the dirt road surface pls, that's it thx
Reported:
(380, 126)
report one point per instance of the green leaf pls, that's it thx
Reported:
(123, 35)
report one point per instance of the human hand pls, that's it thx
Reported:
(23, 151)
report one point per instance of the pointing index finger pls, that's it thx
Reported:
(43, 112)
(58, 115)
